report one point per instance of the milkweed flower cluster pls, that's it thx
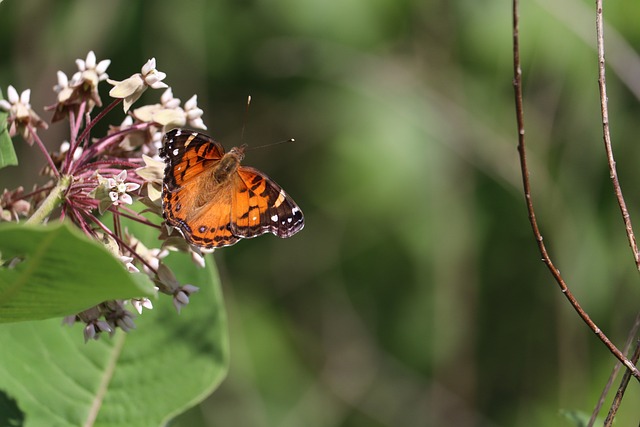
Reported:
(105, 174)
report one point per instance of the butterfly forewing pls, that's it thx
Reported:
(187, 154)
(262, 206)
(215, 202)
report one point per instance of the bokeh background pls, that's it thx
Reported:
(415, 295)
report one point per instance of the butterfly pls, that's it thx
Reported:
(213, 200)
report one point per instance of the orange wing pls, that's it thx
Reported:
(261, 206)
(202, 212)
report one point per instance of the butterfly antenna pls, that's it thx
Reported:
(244, 122)
(271, 144)
(246, 118)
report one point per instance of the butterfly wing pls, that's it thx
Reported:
(211, 226)
(191, 201)
(259, 206)
(187, 155)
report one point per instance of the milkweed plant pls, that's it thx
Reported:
(93, 181)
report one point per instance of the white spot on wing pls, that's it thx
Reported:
(274, 218)
(179, 132)
(289, 219)
(175, 152)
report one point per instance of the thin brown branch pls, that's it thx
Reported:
(517, 83)
(621, 389)
(614, 372)
(613, 173)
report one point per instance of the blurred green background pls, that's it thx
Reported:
(415, 295)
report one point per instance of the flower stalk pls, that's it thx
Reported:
(52, 201)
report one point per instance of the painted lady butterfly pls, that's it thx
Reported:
(213, 200)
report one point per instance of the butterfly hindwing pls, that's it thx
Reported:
(211, 228)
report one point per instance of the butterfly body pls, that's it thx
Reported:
(215, 201)
(228, 164)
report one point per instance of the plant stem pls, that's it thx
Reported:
(51, 202)
(44, 150)
(606, 134)
(524, 169)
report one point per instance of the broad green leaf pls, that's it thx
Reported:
(143, 378)
(7, 153)
(59, 272)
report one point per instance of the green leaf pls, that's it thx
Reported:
(58, 271)
(7, 153)
(144, 378)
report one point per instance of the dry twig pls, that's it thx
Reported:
(621, 389)
(517, 83)
(613, 173)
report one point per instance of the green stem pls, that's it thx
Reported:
(51, 202)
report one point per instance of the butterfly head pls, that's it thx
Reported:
(238, 152)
